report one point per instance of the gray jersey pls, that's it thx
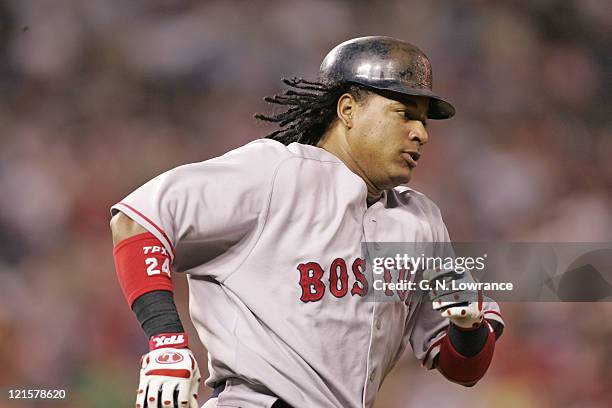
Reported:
(254, 229)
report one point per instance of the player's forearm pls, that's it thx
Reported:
(157, 313)
(468, 343)
(146, 284)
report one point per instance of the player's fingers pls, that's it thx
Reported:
(465, 317)
(153, 392)
(140, 398)
(457, 312)
(195, 380)
(442, 305)
(466, 312)
(141, 393)
(184, 389)
(167, 394)
(195, 386)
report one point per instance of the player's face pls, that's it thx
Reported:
(387, 138)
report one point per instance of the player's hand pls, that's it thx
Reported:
(169, 376)
(464, 308)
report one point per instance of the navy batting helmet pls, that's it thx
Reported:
(384, 64)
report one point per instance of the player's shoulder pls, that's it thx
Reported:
(272, 153)
(251, 162)
(407, 196)
(264, 154)
(260, 154)
(310, 152)
(264, 150)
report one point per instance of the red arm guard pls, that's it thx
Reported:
(143, 265)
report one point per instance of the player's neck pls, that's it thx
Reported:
(341, 151)
(373, 198)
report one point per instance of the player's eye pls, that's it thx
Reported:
(412, 116)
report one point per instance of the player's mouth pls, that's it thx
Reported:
(411, 158)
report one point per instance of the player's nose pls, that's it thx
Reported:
(418, 134)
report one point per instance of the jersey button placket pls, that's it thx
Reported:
(369, 229)
(376, 244)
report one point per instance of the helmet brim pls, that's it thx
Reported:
(439, 108)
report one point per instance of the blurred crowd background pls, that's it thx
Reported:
(98, 96)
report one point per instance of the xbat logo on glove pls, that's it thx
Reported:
(168, 340)
(169, 357)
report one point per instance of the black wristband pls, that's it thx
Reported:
(468, 343)
(157, 313)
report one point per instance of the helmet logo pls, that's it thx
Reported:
(405, 74)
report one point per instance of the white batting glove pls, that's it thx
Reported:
(468, 316)
(463, 308)
(169, 374)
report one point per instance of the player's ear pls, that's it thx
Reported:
(346, 108)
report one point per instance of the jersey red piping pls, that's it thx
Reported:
(433, 345)
(161, 231)
(494, 312)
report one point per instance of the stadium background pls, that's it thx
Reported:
(98, 96)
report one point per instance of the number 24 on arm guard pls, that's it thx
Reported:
(143, 265)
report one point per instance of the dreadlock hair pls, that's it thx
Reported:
(311, 108)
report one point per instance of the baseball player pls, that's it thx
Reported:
(270, 236)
